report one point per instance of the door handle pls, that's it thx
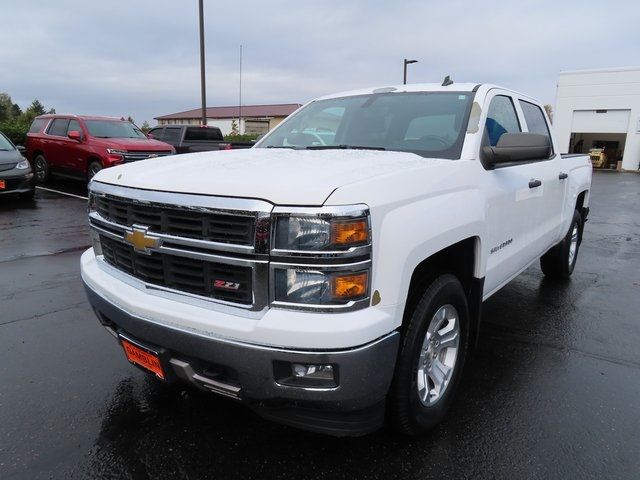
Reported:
(563, 175)
(534, 183)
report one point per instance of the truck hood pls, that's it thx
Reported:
(133, 144)
(281, 176)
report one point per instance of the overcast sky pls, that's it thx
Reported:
(140, 57)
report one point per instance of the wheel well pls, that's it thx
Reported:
(92, 159)
(458, 259)
(580, 201)
(582, 210)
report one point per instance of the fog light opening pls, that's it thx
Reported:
(306, 374)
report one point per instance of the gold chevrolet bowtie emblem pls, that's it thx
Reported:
(141, 240)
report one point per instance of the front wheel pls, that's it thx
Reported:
(431, 358)
(94, 167)
(560, 261)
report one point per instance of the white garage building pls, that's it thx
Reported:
(600, 109)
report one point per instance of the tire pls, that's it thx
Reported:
(41, 168)
(412, 408)
(560, 261)
(94, 167)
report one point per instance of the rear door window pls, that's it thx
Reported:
(37, 125)
(59, 127)
(203, 134)
(534, 117)
(157, 133)
(501, 119)
(172, 134)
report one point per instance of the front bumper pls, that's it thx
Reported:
(246, 372)
(21, 183)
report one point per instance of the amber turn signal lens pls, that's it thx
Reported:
(346, 232)
(350, 286)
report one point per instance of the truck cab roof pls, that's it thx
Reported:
(424, 87)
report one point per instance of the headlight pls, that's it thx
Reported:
(320, 287)
(321, 257)
(315, 233)
(91, 204)
(22, 165)
(116, 151)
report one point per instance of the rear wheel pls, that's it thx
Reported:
(431, 358)
(560, 261)
(41, 167)
(94, 167)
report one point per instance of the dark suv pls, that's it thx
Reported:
(81, 146)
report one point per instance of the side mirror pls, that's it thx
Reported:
(518, 147)
(22, 149)
(75, 135)
(150, 136)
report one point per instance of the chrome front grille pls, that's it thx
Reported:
(135, 156)
(182, 222)
(180, 273)
(213, 248)
(7, 166)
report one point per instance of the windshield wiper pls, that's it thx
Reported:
(343, 147)
(283, 146)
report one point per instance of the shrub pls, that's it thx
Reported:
(16, 131)
(241, 138)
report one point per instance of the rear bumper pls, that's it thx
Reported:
(246, 372)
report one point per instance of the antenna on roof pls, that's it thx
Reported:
(447, 81)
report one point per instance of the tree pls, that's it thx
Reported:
(35, 109)
(549, 109)
(145, 126)
(130, 119)
(17, 111)
(234, 128)
(6, 107)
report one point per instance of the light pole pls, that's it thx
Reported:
(203, 93)
(240, 97)
(407, 62)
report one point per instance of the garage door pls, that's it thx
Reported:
(256, 127)
(600, 121)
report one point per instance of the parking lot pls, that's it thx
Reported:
(553, 390)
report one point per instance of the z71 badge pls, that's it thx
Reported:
(224, 285)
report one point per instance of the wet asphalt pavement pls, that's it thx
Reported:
(553, 390)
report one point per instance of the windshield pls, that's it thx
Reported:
(113, 129)
(426, 123)
(5, 144)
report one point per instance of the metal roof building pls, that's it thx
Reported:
(599, 110)
(256, 119)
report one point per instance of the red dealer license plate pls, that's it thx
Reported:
(145, 358)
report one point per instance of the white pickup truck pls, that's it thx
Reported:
(332, 276)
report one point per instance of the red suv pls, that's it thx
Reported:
(81, 146)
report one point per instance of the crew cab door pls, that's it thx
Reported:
(514, 198)
(71, 151)
(55, 142)
(548, 218)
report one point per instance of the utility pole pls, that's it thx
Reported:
(240, 99)
(203, 88)
(407, 62)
